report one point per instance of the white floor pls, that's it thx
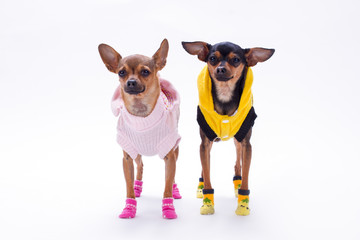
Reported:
(60, 167)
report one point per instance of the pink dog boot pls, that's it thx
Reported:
(168, 209)
(176, 192)
(138, 187)
(130, 209)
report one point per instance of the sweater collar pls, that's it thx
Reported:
(143, 123)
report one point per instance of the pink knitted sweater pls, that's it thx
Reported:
(155, 134)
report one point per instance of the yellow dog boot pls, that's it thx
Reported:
(237, 184)
(208, 202)
(243, 203)
(199, 193)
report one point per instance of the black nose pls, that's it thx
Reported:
(131, 83)
(220, 70)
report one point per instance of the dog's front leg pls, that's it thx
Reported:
(170, 168)
(243, 197)
(128, 167)
(130, 207)
(168, 209)
(237, 180)
(246, 160)
(208, 191)
(205, 148)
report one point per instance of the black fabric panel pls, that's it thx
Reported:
(243, 192)
(209, 133)
(237, 178)
(201, 180)
(208, 191)
(247, 124)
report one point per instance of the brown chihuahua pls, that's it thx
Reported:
(148, 110)
(226, 110)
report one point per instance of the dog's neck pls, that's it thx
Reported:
(226, 97)
(144, 105)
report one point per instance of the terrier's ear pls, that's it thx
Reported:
(110, 57)
(161, 54)
(255, 55)
(201, 49)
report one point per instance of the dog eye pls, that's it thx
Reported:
(236, 60)
(212, 59)
(145, 73)
(122, 73)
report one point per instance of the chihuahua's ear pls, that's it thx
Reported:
(201, 49)
(110, 57)
(255, 55)
(161, 54)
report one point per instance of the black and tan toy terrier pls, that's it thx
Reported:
(226, 111)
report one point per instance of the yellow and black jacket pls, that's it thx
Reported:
(219, 126)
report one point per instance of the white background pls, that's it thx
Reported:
(60, 166)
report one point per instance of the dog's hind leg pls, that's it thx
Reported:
(139, 175)
(243, 193)
(168, 209)
(237, 180)
(200, 187)
(176, 191)
(139, 168)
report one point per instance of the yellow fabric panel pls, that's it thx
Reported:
(237, 183)
(224, 126)
(243, 198)
(208, 199)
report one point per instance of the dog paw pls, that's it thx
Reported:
(242, 209)
(127, 214)
(207, 209)
(138, 188)
(199, 193)
(130, 209)
(176, 192)
(169, 214)
(168, 209)
(237, 184)
(137, 193)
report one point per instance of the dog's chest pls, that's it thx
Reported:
(139, 108)
(224, 91)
